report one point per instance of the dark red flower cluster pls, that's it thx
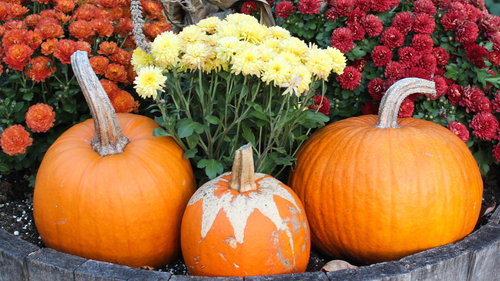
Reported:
(248, 7)
(284, 9)
(309, 7)
(322, 104)
(459, 129)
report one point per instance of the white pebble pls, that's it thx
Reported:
(16, 232)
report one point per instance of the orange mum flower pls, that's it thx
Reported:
(40, 118)
(117, 13)
(4, 11)
(2, 30)
(99, 64)
(153, 8)
(110, 87)
(17, 11)
(49, 46)
(15, 139)
(48, 13)
(126, 10)
(121, 56)
(65, 6)
(62, 17)
(102, 27)
(1, 69)
(50, 28)
(124, 26)
(33, 38)
(100, 13)
(81, 29)
(129, 43)
(83, 46)
(32, 20)
(17, 56)
(15, 24)
(13, 37)
(43, 1)
(123, 102)
(108, 3)
(116, 73)
(83, 14)
(64, 49)
(131, 74)
(41, 68)
(107, 48)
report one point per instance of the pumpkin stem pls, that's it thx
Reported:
(109, 139)
(395, 95)
(243, 173)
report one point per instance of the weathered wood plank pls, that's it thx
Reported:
(484, 245)
(495, 218)
(385, 271)
(307, 276)
(13, 252)
(448, 262)
(92, 270)
(150, 275)
(48, 265)
(203, 278)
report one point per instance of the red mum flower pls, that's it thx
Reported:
(467, 33)
(17, 56)
(123, 102)
(452, 20)
(40, 117)
(417, 72)
(494, 58)
(472, 97)
(403, 21)
(342, 39)
(408, 56)
(369, 108)
(395, 70)
(476, 54)
(102, 27)
(322, 103)
(359, 64)
(441, 56)
(406, 109)
(496, 151)
(49, 46)
(99, 64)
(64, 49)
(381, 55)
(358, 32)
(284, 9)
(344, 7)
(373, 25)
(50, 28)
(485, 126)
(392, 38)
(309, 7)
(248, 7)
(116, 73)
(424, 7)
(422, 43)
(496, 101)
(357, 15)
(455, 93)
(428, 62)
(41, 68)
(110, 87)
(459, 129)
(107, 48)
(376, 89)
(380, 6)
(488, 23)
(350, 79)
(15, 139)
(330, 15)
(424, 24)
(441, 88)
(363, 5)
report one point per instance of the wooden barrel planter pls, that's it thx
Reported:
(475, 258)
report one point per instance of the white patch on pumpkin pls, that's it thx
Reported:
(238, 208)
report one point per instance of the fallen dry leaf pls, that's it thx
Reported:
(487, 209)
(337, 265)
(147, 267)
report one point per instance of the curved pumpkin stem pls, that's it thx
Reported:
(243, 172)
(391, 101)
(109, 139)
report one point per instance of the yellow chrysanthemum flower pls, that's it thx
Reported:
(277, 32)
(276, 70)
(149, 80)
(227, 47)
(195, 56)
(306, 76)
(190, 34)
(252, 32)
(209, 25)
(226, 29)
(338, 60)
(319, 62)
(212, 62)
(294, 45)
(166, 49)
(247, 62)
(266, 53)
(141, 59)
(291, 58)
(239, 19)
(272, 43)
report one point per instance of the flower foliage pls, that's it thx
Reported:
(40, 98)
(455, 43)
(221, 84)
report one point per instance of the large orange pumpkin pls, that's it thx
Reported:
(243, 224)
(380, 188)
(112, 196)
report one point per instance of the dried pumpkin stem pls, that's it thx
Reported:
(243, 172)
(109, 138)
(395, 95)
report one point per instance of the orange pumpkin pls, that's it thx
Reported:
(243, 224)
(112, 192)
(380, 188)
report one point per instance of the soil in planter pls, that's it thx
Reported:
(16, 214)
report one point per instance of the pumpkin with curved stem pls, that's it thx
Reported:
(380, 188)
(107, 189)
(243, 224)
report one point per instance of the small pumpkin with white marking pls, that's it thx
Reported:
(244, 223)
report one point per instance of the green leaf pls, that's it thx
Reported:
(260, 116)
(28, 96)
(186, 127)
(69, 107)
(248, 134)
(4, 167)
(18, 106)
(213, 120)
(190, 153)
(159, 120)
(159, 132)
(494, 79)
(452, 71)
(212, 167)
(285, 161)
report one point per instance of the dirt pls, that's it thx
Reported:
(16, 214)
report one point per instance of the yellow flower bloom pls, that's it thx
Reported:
(291, 58)
(277, 32)
(227, 47)
(190, 34)
(319, 62)
(195, 56)
(247, 62)
(266, 53)
(277, 70)
(213, 62)
(239, 19)
(141, 59)
(306, 76)
(166, 49)
(149, 80)
(272, 43)
(338, 60)
(209, 25)
(252, 32)
(294, 45)
(226, 29)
